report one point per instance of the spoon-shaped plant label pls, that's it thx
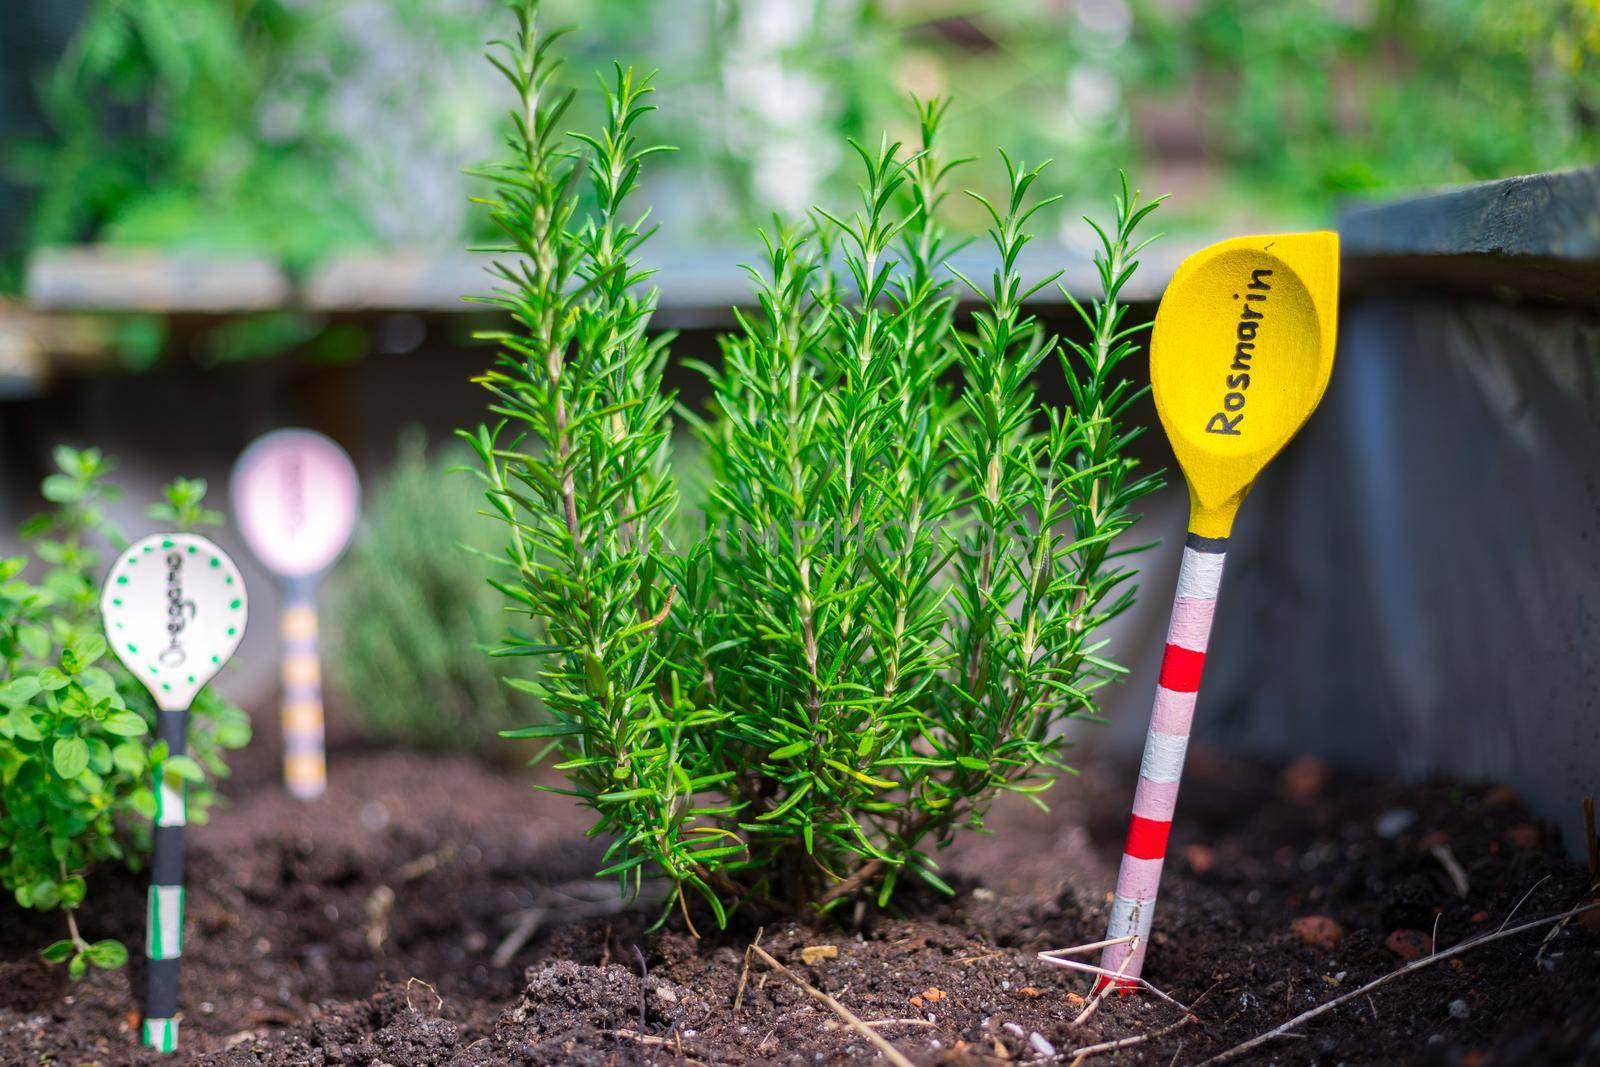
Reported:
(296, 499)
(1240, 355)
(174, 608)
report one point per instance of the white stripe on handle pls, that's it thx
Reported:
(160, 1034)
(1188, 634)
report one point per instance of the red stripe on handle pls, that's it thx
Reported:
(1121, 986)
(1180, 669)
(1147, 838)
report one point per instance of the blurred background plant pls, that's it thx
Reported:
(292, 128)
(410, 609)
(189, 123)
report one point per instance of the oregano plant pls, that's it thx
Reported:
(75, 727)
(895, 597)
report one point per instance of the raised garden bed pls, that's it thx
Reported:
(362, 930)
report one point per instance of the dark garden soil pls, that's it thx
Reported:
(361, 930)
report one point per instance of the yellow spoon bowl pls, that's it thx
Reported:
(1239, 358)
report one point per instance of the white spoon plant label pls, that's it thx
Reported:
(174, 609)
(296, 499)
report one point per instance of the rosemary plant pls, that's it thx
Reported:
(905, 559)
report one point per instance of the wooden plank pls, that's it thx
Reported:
(109, 279)
(1536, 236)
(698, 286)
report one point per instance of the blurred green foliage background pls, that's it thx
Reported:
(410, 612)
(298, 128)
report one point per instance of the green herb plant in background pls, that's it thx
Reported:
(905, 560)
(159, 135)
(413, 609)
(282, 129)
(75, 726)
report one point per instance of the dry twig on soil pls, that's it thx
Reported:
(1058, 956)
(744, 974)
(1470, 943)
(651, 1041)
(1080, 1054)
(891, 1053)
(1452, 867)
(1594, 875)
(413, 980)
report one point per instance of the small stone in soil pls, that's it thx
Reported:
(1523, 835)
(1318, 931)
(374, 816)
(1302, 780)
(1199, 857)
(1409, 944)
(1460, 1010)
(1394, 822)
(813, 953)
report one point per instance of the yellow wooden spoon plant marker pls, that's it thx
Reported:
(1239, 358)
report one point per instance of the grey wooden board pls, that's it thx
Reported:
(99, 278)
(696, 285)
(1535, 236)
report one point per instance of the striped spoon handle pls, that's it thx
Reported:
(163, 947)
(305, 767)
(1133, 908)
